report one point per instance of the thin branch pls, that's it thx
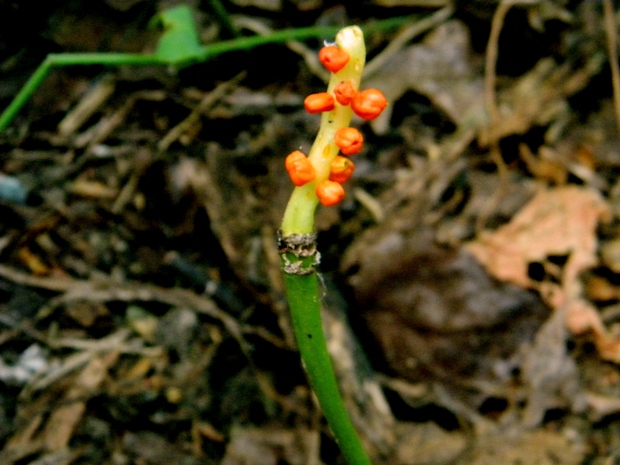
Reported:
(612, 46)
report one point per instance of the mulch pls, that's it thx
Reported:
(471, 274)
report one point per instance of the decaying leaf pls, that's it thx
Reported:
(557, 223)
(270, 446)
(439, 68)
(550, 373)
(539, 447)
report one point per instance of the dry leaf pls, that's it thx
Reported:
(556, 222)
(540, 447)
(269, 446)
(439, 68)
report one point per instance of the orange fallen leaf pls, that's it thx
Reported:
(557, 222)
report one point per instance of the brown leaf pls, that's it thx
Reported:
(439, 68)
(558, 222)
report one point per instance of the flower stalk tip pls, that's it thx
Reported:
(338, 104)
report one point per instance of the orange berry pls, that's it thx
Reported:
(369, 103)
(329, 192)
(318, 103)
(299, 168)
(341, 169)
(344, 92)
(333, 58)
(349, 140)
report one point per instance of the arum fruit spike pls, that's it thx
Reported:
(319, 178)
(336, 106)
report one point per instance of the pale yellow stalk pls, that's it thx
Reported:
(299, 214)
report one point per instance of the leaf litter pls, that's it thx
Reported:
(472, 280)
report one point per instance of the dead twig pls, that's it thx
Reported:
(108, 290)
(490, 97)
(209, 100)
(404, 36)
(309, 55)
(612, 45)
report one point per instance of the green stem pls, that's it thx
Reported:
(24, 94)
(300, 257)
(303, 33)
(303, 297)
(224, 17)
(57, 60)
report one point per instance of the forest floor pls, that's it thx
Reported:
(472, 273)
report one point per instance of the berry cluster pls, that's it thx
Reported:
(366, 104)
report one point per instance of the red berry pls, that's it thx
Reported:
(333, 58)
(344, 92)
(349, 140)
(369, 103)
(341, 169)
(329, 192)
(318, 103)
(299, 168)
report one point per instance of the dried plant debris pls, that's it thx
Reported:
(472, 273)
(536, 447)
(557, 222)
(269, 446)
(433, 310)
(441, 68)
(550, 374)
